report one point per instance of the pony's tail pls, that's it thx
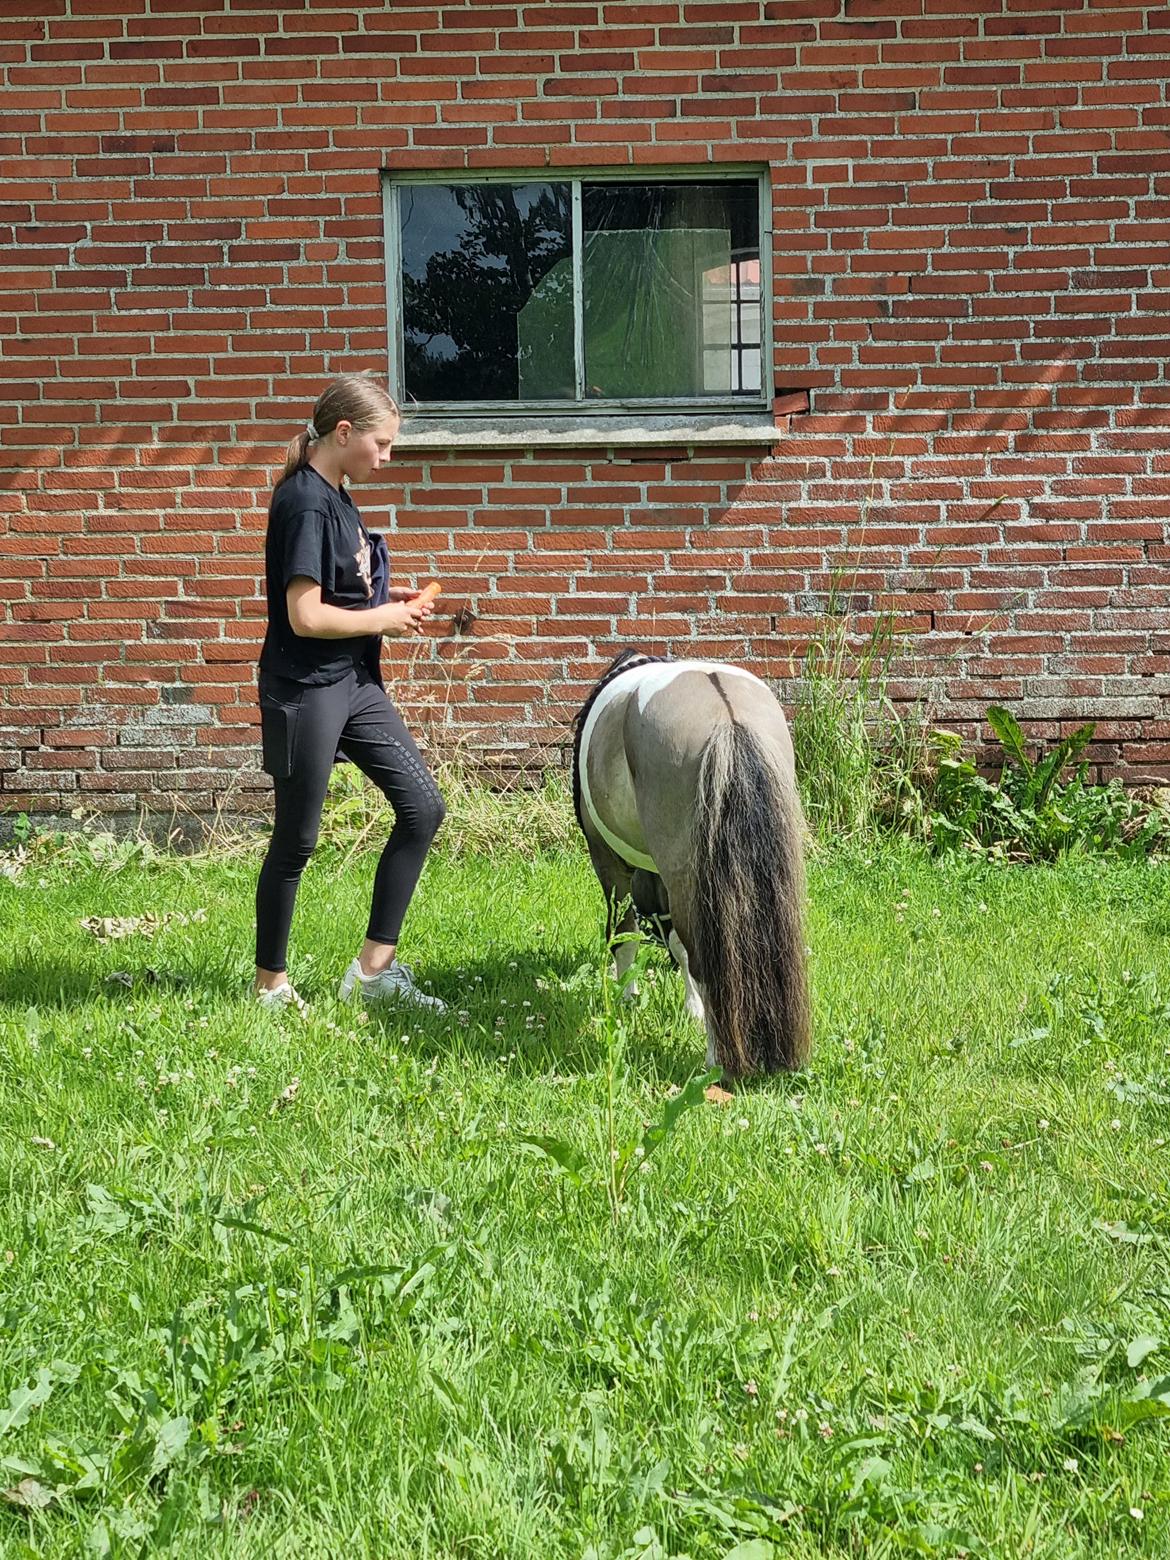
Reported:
(747, 918)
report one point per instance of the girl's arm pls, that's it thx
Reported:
(312, 618)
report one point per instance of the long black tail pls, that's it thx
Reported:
(748, 912)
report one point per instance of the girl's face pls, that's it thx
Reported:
(364, 450)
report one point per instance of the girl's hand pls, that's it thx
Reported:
(405, 594)
(403, 617)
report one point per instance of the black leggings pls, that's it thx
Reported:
(303, 728)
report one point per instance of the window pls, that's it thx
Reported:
(572, 294)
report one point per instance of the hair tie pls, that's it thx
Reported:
(312, 432)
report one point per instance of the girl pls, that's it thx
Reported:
(321, 692)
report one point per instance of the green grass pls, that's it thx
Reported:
(915, 1300)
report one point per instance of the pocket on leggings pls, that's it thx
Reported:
(279, 713)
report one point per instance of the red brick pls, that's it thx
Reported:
(937, 232)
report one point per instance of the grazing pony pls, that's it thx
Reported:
(684, 787)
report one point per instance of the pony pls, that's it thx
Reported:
(684, 787)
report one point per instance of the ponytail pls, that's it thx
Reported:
(295, 456)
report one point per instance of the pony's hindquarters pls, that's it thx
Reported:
(747, 907)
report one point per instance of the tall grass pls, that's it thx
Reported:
(521, 815)
(859, 758)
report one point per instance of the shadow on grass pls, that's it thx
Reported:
(49, 983)
(565, 986)
(562, 986)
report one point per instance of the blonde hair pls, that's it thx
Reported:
(354, 398)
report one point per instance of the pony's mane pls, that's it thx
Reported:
(621, 663)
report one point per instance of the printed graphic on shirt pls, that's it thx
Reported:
(362, 559)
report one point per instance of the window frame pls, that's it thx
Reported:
(727, 404)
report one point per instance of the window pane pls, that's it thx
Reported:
(671, 285)
(487, 295)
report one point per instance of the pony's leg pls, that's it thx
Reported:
(694, 995)
(696, 1001)
(623, 957)
(625, 952)
(695, 1004)
(621, 920)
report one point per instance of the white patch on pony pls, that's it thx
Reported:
(659, 674)
(646, 680)
(624, 852)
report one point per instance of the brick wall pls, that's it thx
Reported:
(969, 205)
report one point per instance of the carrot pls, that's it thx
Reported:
(429, 592)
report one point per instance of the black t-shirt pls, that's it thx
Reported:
(315, 531)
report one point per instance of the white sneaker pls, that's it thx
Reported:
(396, 982)
(279, 997)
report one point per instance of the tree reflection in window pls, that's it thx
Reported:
(472, 256)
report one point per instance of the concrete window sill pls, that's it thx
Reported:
(446, 432)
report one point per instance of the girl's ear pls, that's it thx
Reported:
(343, 430)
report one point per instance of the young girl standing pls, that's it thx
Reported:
(321, 693)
